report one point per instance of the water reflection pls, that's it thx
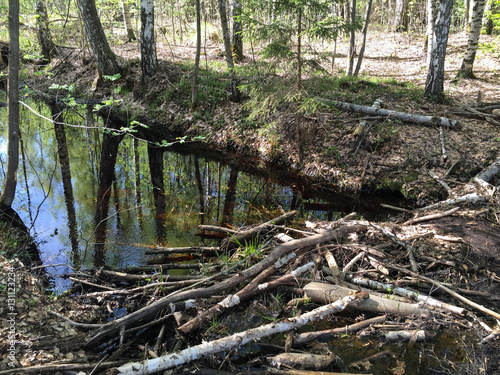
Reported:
(93, 200)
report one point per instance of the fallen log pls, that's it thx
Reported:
(323, 293)
(239, 339)
(406, 117)
(302, 360)
(404, 336)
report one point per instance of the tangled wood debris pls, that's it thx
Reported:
(391, 276)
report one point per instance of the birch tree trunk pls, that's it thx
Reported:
(104, 57)
(475, 31)
(365, 31)
(127, 21)
(194, 93)
(431, 7)
(401, 16)
(44, 38)
(148, 43)
(9, 187)
(352, 39)
(235, 92)
(236, 29)
(434, 85)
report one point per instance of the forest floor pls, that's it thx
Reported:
(394, 156)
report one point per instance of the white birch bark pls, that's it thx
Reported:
(234, 341)
(148, 42)
(434, 85)
(475, 31)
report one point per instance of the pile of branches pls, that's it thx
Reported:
(381, 271)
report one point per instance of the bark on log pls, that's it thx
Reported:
(302, 360)
(148, 312)
(406, 117)
(404, 336)
(323, 293)
(239, 339)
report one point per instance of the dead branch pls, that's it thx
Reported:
(432, 216)
(236, 340)
(447, 290)
(183, 250)
(327, 335)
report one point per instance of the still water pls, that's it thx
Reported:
(92, 197)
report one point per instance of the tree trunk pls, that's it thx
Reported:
(104, 57)
(434, 85)
(352, 39)
(194, 94)
(491, 10)
(128, 22)
(236, 29)
(365, 31)
(299, 50)
(9, 188)
(401, 16)
(467, 15)
(148, 44)
(431, 7)
(475, 31)
(44, 38)
(235, 92)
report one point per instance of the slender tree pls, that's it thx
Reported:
(104, 57)
(128, 21)
(401, 17)
(9, 189)
(352, 40)
(44, 38)
(431, 10)
(194, 96)
(235, 92)
(149, 61)
(434, 85)
(365, 31)
(475, 31)
(236, 30)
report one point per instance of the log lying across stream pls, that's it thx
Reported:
(352, 267)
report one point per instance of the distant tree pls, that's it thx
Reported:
(149, 60)
(434, 85)
(401, 17)
(194, 94)
(475, 31)
(492, 14)
(9, 188)
(44, 38)
(127, 21)
(104, 57)
(235, 92)
(365, 31)
(352, 40)
(236, 30)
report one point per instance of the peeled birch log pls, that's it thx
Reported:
(323, 293)
(406, 117)
(234, 341)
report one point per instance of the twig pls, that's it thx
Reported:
(76, 324)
